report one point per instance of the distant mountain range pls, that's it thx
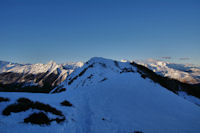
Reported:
(40, 77)
(186, 73)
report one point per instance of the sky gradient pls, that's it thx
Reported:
(41, 30)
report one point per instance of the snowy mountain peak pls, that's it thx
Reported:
(5, 66)
(99, 59)
(124, 60)
(96, 70)
(79, 64)
(52, 63)
(161, 63)
(107, 62)
(45, 76)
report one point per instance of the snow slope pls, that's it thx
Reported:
(123, 103)
(183, 72)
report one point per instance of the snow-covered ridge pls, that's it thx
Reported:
(96, 70)
(5, 66)
(76, 75)
(112, 97)
(183, 72)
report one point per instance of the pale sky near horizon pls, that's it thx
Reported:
(42, 30)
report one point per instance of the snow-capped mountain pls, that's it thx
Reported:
(5, 66)
(52, 77)
(106, 96)
(98, 70)
(183, 72)
(46, 76)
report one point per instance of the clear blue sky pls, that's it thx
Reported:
(41, 30)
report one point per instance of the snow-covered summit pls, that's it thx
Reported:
(5, 66)
(73, 65)
(97, 69)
